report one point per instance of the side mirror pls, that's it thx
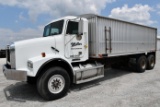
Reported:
(80, 27)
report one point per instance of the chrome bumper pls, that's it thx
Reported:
(13, 74)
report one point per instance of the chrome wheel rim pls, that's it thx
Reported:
(56, 84)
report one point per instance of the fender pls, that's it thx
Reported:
(57, 62)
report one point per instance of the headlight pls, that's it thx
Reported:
(30, 64)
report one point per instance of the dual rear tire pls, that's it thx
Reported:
(144, 63)
(141, 63)
(150, 62)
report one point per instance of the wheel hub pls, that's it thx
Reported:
(56, 84)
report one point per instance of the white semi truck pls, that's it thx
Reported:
(76, 49)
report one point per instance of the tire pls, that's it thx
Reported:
(141, 64)
(54, 83)
(150, 62)
(31, 80)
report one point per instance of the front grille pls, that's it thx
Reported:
(8, 54)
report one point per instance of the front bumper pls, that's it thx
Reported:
(13, 74)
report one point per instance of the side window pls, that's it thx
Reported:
(72, 27)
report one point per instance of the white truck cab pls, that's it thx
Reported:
(75, 50)
(64, 41)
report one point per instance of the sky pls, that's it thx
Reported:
(24, 19)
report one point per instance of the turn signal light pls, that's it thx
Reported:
(43, 54)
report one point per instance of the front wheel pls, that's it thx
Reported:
(54, 83)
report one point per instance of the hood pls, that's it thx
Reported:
(35, 42)
(27, 49)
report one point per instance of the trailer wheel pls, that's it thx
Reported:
(150, 62)
(54, 83)
(141, 64)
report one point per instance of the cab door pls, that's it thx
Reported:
(74, 42)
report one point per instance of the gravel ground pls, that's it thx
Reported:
(119, 88)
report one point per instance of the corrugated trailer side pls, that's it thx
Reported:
(114, 37)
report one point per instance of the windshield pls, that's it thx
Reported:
(54, 28)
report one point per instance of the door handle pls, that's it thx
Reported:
(55, 49)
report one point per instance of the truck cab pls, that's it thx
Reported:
(70, 42)
(59, 57)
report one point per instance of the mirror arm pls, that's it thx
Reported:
(80, 34)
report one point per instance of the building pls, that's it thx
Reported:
(158, 43)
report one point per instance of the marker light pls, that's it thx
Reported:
(43, 54)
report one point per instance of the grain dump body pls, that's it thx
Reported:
(112, 37)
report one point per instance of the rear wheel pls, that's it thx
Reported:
(54, 83)
(150, 62)
(141, 64)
